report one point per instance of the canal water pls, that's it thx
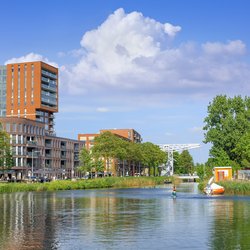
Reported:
(141, 218)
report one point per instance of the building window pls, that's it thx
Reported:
(31, 129)
(20, 139)
(14, 127)
(32, 84)
(12, 85)
(25, 84)
(18, 85)
(20, 128)
(7, 127)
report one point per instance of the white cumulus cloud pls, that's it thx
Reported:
(131, 53)
(133, 56)
(119, 53)
(171, 30)
(31, 57)
(232, 47)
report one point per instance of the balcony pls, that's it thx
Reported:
(49, 95)
(49, 74)
(39, 113)
(31, 143)
(49, 100)
(47, 80)
(49, 87)
(51, 123)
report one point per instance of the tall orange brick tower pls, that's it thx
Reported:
(32, 92)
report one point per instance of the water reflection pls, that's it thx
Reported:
(231, 225)
(27, 221)
(121, 219)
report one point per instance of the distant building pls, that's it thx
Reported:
(114, 166)
(222, 173)
(28, 101)
(127, 134)
(130, 134)
(87, 140)
(243, 174)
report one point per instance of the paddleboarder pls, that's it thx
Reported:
(174, 192)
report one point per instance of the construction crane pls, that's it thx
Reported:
(170, 149)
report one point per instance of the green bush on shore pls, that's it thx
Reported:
(108, 182)
(236, 187)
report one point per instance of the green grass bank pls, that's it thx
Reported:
(233, 187)
(108, 182)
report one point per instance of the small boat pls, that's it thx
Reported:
(217, 189)
(214, 189)
(167, 182)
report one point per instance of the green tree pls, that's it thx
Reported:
(90, 163)
(228, 120)
(86, 162)
(152, 156)
(242, 149)
(6, 159)
(106, 145)
(98, 165)
(186, 163)
(203, 171)
(133, 155)
(121, 154)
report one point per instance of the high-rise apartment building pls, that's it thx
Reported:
(32, 92)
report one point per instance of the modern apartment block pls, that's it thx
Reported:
(127, 134)
(28, 101)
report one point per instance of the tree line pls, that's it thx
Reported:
(116, 155)
(128, 157)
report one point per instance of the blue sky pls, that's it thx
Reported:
(149, 65)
